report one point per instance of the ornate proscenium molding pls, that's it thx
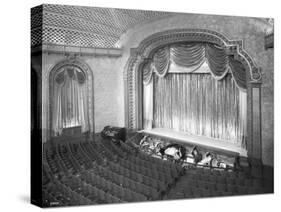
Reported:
(144, 52)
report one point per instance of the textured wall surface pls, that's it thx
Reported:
(108, 92)
(267, 109)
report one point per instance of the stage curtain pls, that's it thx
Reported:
(70, 106)
(191, 56)
(200, 105)
(57, 123)
(242, 118)
(148, 105)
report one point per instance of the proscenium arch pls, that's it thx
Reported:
(85, 68)
(143, 53)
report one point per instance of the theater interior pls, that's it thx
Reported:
(134, 105)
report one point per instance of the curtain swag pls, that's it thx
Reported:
(192, 56)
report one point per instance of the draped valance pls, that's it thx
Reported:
(72, 73)
(192, 56)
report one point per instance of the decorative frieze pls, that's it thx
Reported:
(81, 51)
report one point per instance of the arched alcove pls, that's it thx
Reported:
(79, 77)
(143, 54)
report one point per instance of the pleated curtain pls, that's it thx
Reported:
(70, 106)
(148, 105)
(211, 105)
(200, 105)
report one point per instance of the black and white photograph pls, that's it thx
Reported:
(132, 105)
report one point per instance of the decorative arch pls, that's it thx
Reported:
(143, 54)
(81, 65)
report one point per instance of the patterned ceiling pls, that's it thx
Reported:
(85, 26)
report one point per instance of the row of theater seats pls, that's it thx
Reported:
(139, 178)
(57, 193)
(110, 185)
(80, 156)
(142, 163)
(103, 172)
(92, 192)
(131, 182)
(199, 182)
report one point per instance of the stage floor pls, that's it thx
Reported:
(205, 142)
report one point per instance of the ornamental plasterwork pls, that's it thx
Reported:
(148, 46)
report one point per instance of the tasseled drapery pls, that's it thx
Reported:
(192, 56)
(70, 103)
(200, 105)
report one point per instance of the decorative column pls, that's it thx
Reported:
(255, 139)
(256, 121)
